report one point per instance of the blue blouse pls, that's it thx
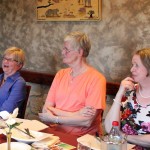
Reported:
(12, 92)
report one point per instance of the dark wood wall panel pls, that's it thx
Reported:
(36, 77)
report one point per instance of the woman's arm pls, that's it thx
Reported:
(126, 84)
(83, 117)
(74, 120)
(86, 111)
(142, 140)
(49, 106)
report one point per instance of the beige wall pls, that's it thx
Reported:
(125, 27)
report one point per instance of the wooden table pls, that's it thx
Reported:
(66, 138)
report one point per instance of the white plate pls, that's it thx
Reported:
(15, 146)
(22, 137)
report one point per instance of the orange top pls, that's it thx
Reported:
(72, 94)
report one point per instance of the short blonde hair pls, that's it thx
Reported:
(79, 40)
(145, 58)
(18, 54)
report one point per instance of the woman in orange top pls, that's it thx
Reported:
(76, 90)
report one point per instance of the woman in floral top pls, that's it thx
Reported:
(133, 98)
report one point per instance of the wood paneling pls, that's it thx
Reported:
(36, 77)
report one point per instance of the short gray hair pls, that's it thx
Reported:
(79, 40)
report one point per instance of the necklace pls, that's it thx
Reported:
(140, 105)
(142, 95)
(78, 73)
(73, 76)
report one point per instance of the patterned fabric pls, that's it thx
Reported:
(135, 118)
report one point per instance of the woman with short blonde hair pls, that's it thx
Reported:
(12, 85)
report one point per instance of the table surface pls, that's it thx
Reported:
(64, 137)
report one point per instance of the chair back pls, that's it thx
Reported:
(23, 106)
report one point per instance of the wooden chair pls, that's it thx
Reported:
(23, 106)
(112, 88)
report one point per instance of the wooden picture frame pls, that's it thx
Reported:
(69, 10)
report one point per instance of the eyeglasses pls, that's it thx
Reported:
(8, 59)
(67, 50)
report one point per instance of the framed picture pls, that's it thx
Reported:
(69, 10)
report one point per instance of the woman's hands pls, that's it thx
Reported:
(83, 117)
(51, 112)
(47, 116)
(87, 111)
(126, 85)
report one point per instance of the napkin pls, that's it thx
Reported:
(4, 114)
(46, 143)
(89, 141)
(34, 125)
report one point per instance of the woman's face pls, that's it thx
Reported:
(69, 55)
(9, 65)
(138, 70)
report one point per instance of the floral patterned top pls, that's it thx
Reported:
(135, 119)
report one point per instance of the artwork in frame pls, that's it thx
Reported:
(69, 10)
